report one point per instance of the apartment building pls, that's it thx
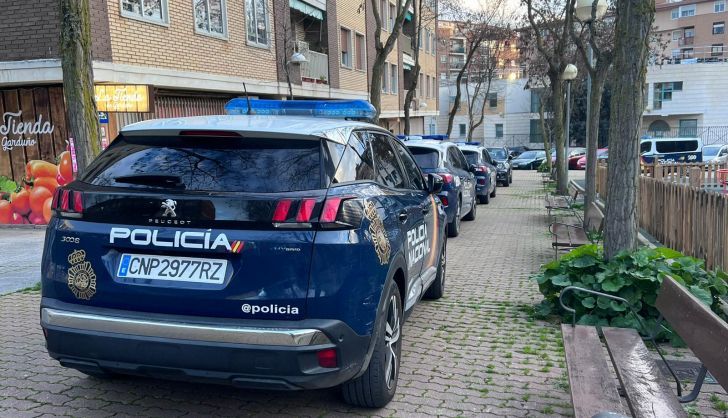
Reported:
(162, 58)
(686, 89)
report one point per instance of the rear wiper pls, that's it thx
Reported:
(160, 180)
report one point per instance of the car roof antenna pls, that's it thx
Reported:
(247, 98)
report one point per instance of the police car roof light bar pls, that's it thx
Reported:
(436, 137)
(334, 109)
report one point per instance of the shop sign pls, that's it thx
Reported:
(122, 98)
(14, 132)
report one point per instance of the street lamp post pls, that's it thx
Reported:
(570, 74)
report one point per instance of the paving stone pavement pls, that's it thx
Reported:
(476, 352)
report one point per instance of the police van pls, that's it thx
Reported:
(281, 246)
(671, 150)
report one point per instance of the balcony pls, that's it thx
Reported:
(316, 70)
(695, 55)
(687, 40)
(454, 49)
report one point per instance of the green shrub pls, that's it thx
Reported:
(635, 276)
(544, 167)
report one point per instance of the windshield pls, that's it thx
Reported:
(498, 153)
(530, 155)
(425, 157)
(471, 156)
(711, 151)
(210, 164)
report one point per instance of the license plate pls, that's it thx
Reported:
(179, 269)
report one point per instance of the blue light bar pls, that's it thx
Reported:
(335, 109)
(468, 143)
(435, 137)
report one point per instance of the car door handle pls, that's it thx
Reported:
(403, 216)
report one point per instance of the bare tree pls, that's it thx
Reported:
(78, 80)
(599, 35)
(423, 15)
(631, 55)
(383, 47)
(550, 25)
(483, 69)
(477, 27)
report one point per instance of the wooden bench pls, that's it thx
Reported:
(647, 392)
(555, 202)
(566, 237)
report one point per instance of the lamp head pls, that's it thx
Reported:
(298, 58)
(570, 73)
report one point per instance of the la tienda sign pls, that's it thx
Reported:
(18, 133)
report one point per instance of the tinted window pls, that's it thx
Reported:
(710, 151)
(387, 168)
(356, 164)
(676, 146)
(456, 158)
(409, 165)
(425, 157)
(471, 157)
(210, 164)
(529, 155)
(498, 153)
(645, 147)
(486, 157)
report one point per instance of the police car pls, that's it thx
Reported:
(485, 170)
(445, 159)
(264, 249)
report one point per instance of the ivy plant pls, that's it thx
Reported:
(635, 276)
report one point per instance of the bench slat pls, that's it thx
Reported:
(701, 329)
(593, 388)
(649, 393)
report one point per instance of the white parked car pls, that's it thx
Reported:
(717, 153)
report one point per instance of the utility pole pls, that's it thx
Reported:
(78, 80)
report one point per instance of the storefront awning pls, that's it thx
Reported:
(407, 59)
(309, 9)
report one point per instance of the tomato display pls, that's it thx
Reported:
(31, 202)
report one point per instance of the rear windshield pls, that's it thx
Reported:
(210, 164)
(498, 153)
(532, 154)
(425, 157)
(471, 156)
(676, 146)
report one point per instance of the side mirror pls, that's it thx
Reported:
(434, 183)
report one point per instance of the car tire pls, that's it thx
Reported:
(484, 199)
(376, 387)
(473, 212)
(453, 228)
(509, 180)
(437, 288)
(494, 191)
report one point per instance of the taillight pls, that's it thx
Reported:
(444, 201)
(281, 212)
(481, 181)
(335, 212)
(67, 201)
(331, 209)
(481, 169)
(446, 178)
(327, 358)
(305, 210)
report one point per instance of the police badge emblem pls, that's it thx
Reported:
(81, 276)
(378, 233)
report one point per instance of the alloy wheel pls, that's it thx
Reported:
(391, 340)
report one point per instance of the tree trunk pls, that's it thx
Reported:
(562, 169)
(633, 24)
(544, 132)
(78, 80)
(375, 89)
(592, 139)
(456, 101)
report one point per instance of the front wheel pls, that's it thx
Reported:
(376, 387)
(437, 288)
(485, 199)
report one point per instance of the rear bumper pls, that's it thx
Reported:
(244, 353)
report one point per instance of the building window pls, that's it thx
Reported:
(210, 17)
(718, 28)
(716, 50)
(394, 76)
(675, 13)
(663, 92)
(462, 129)
(535, 100)
(361, 52)
(383, 9)
(499, 130)
(392, 16)
(688, 127)
(427, 41)
(719, 6)
(421, 85)
(345, 47)
(257, 19)
(676, 35)
(385, 78)
(535, 132)
(493, 100)
(687, 11)
(154, 11)
(443, 59)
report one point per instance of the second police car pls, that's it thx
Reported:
(485, 171)
(261, 250)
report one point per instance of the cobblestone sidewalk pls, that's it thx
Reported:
(476, 352)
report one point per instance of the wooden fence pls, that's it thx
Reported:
(694, 174)
(680, 214)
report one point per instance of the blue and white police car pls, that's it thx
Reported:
(281, 246)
